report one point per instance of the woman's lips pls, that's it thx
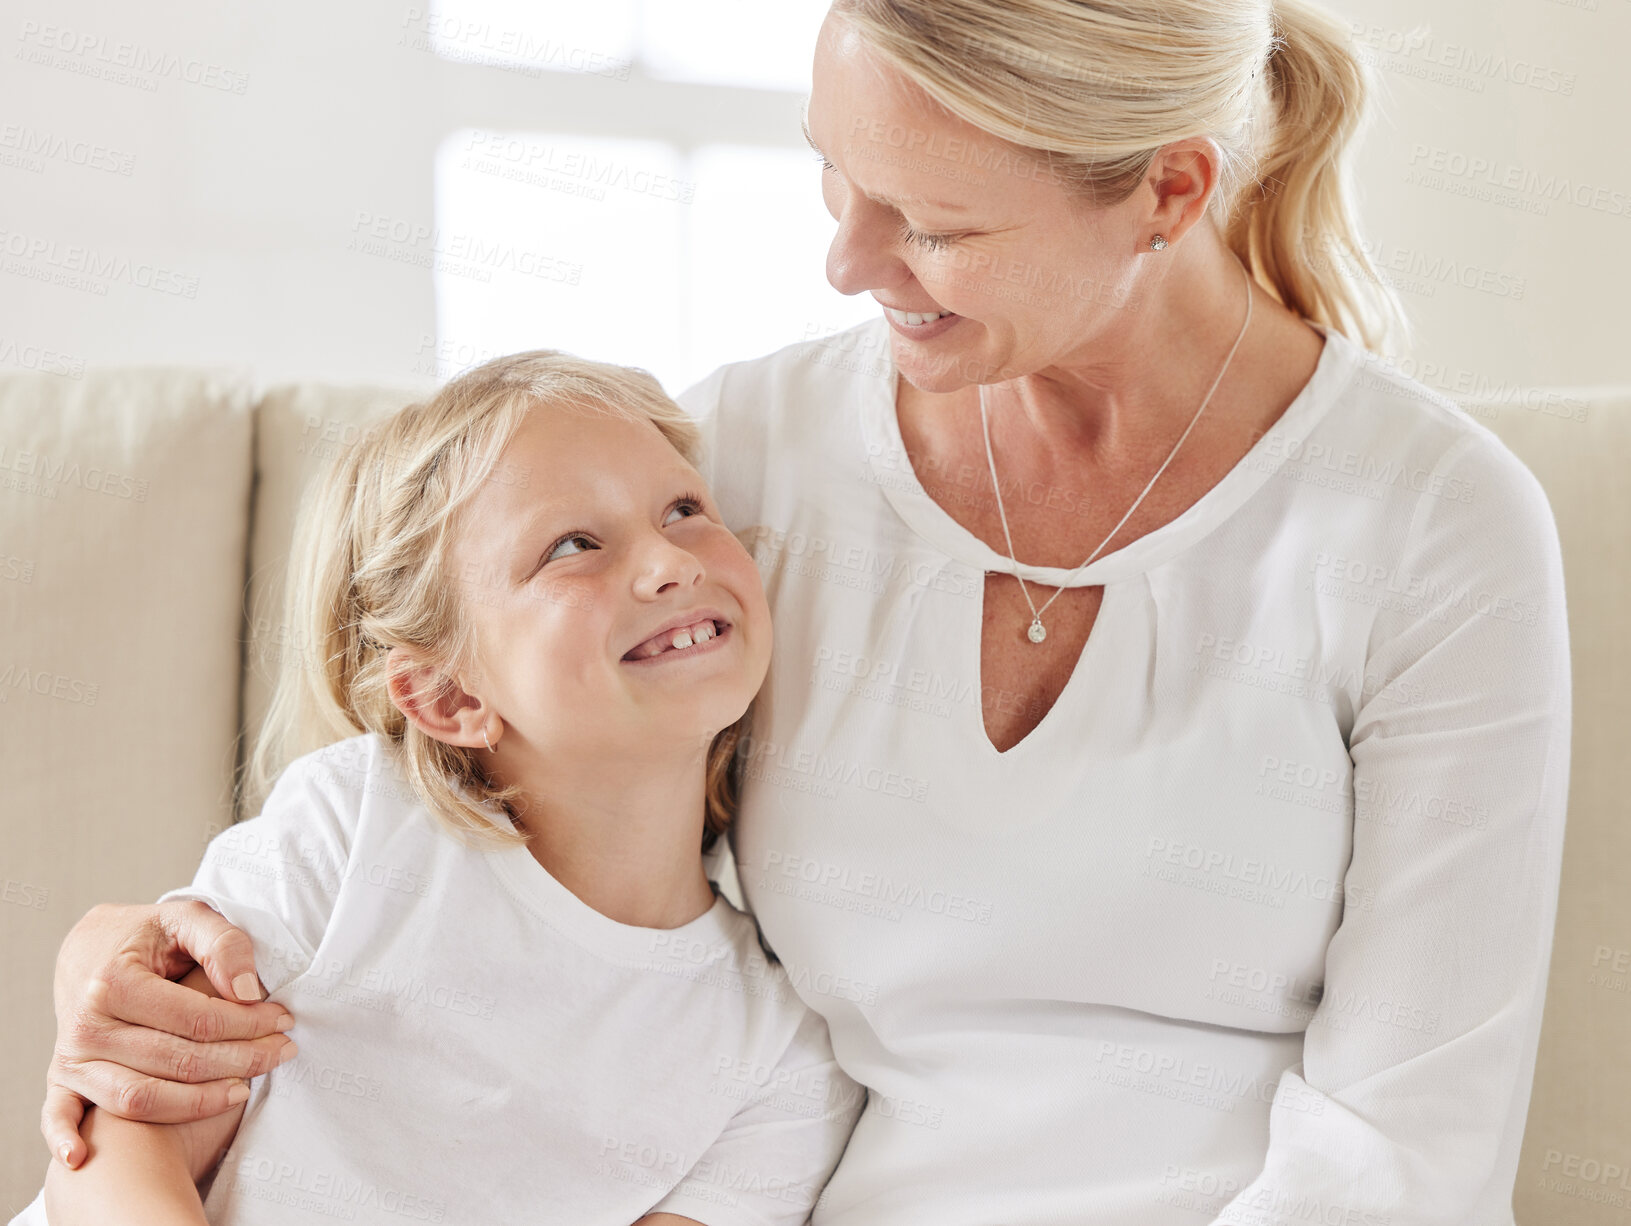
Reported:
(923, 332)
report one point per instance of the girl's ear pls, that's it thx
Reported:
(433, 702)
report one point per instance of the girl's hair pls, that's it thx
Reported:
(1095, 89)
(371, 569)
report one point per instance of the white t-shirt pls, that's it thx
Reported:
(1254, 926)
(479, 1045)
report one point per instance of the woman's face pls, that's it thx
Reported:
(935, 215)
(593, 536)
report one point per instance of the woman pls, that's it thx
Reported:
(1200, 864)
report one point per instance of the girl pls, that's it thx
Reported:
(532, 640)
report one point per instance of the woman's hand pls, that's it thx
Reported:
(142, 1047)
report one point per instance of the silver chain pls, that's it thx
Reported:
(1037, 633)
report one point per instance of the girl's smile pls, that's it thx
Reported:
(690, 636)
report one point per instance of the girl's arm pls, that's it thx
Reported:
(141, 1173)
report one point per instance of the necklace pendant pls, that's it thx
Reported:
(1036, 633)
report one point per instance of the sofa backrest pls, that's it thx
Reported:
(124, 524)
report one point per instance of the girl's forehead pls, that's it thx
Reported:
(591, 441)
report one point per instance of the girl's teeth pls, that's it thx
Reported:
(690, 636)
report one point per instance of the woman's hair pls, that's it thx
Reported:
(371, 569)
(1096, 88)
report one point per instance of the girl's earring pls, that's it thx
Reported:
(1158, 243)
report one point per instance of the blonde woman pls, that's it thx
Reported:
(479, 888)
(1160, 783)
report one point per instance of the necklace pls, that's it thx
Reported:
(1037, 633)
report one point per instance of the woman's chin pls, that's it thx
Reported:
(936, 373)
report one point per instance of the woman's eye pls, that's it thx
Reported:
(931, 242)
(555, 550)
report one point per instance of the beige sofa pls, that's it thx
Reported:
(144, 520)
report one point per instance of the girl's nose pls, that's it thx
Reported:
(663, 565)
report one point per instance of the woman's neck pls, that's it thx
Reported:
(627, 842)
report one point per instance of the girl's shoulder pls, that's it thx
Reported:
(343, 781)
(353, 767)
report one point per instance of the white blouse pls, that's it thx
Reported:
(1254, 926)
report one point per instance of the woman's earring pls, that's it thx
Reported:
(489, 743)
(1158, 243)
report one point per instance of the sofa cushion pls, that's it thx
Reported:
(124, 512)
(298, 429)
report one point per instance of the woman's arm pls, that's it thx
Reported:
(1408, 1104)
(140, 1173)
(135, 1044)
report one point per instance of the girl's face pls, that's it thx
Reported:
(592, 550)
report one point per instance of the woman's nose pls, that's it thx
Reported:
(862, 255)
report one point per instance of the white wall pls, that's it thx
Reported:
(247, 200)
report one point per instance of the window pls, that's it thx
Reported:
(636, 235)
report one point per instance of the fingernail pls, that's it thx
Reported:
(63, 1152)
(288, 1053)
(237, 1094)
(246, 987)
(286, 1022)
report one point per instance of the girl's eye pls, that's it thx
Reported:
(825, 164)
(691, 501)
(931, 242)
(573, 539)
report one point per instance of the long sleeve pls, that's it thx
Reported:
(1408, 1105)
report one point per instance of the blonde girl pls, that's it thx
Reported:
(478, 885)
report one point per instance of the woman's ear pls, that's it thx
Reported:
(433, 702)
(1181, 179)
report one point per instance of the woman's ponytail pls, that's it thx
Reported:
(1295, 228)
